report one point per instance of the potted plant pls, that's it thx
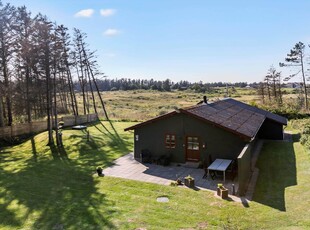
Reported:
(189, 181)
(174, 183)
(222, 191)
(218, 191)
(179, 181)
(99, 171)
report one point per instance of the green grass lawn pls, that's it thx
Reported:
(44, 187)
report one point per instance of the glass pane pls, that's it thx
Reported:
(192, 143)
(195, 146)
(172, 137)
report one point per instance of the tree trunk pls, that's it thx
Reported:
(1, 112)
(74, 105)
(304, 81)
(6, 85)
(55, 110)
(81, 81)
(48, 101)
(100, 97)
(28, 106)
(92, 92)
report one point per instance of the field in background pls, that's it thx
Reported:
(140, 105)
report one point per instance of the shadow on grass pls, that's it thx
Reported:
(277, 171)
(34, 149)
(53, 194)
(59, 153)
(48, 190)
(116, 139)
(296, 137)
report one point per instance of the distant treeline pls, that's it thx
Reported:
(166, 85)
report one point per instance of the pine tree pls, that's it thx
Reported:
(296, 59)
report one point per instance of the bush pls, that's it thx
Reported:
(305, 135)
(304, 139)
(306, 129)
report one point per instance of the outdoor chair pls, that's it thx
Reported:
(146, 156)
(165, 159)
(206, 163)
(211, 172)
(156, 159)
(231, 172)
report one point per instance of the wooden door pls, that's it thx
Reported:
(192, 148)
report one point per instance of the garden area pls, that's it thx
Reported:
(43, 187)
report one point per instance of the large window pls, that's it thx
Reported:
(170, 141)
(192, 143)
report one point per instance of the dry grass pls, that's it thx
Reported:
(140, 105)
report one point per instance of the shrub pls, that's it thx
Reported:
(173, 183)
(305, 135)
(306, 129)
(304, 139)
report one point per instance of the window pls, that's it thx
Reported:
(192, 143)
(170, 141)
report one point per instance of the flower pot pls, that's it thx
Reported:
(189, 183)
(224, 192)
(218, 191)
(99, 171)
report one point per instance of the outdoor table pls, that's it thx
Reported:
(220, 165)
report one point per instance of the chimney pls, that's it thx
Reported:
(205, 100)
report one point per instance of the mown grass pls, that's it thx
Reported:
(43, 187)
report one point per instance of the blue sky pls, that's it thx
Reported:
(197, 40)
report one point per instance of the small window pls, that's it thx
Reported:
(192, 143)
(170, 141)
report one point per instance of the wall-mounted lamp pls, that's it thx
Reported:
(137, 137)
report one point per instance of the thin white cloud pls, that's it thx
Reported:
(84, 13)
(111, 32)
(107, 12)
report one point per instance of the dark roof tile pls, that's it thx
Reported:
(269, 115)
(232, 115)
